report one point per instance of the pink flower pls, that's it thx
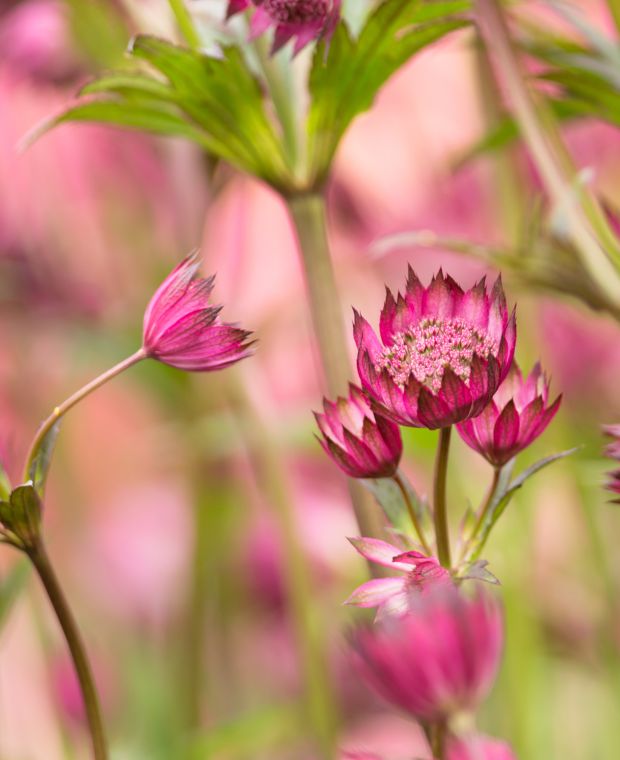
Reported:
(479, 747)
(393, 595)
(444, 352)
(612, 450)
(304, 20)
(360, 756)
(516, 415)
(363, 444)
(439, 659)
(182, 329)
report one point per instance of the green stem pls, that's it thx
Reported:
(266, 457)
(41, 562)
(412, 514)
(438, 741)
(440, 511)
(309, 218)
(551, 157)
(482, 514)
(185, 23)
(69, 403)
(614, 10)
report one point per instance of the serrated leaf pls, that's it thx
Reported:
(347, 75)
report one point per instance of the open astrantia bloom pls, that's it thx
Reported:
(438, 660)
(442, 355)
(517, 414)
(421, 574)
(479, 747)
(363, 444)
(302, 20)
(181, 327)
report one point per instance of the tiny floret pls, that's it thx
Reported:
(182, 329)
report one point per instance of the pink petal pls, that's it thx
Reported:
(378, 551)
(376, 593)
(506, 428)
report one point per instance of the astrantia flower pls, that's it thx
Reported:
(444, 352)
(181, 327)
(517, 414)
(612, 450)
(362, 443)
(302, 20)
(479, 747)
(439, 659)
(422, 574)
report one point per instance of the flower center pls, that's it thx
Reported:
(425, 351)
(296, 11)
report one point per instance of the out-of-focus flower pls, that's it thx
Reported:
(479, 747)
(362, 443)
(360, 756)
(302, 20)
(439, 659)
(393, 595)
(612, 450)
(444, 351)
(517, 414)
(182, 329)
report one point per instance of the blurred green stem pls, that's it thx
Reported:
(438, 741)
(63, 408)
(583, 216)
(412, 515)
(309, 217)
(185, 22)
(43, 566)
(482, 514)
(440, 511)
(614, 10)
(267, 459)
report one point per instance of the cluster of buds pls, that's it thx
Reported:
(443, 357)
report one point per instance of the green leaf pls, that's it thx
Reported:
(22, 515)
(476, 571)
(42, 458)
(347, 74)
(389, 496)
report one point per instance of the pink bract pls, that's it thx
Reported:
(363, 444)
(479, 747)
(516, 416)
(443, 353)
(439, 659)
(422, 575)
(612, 450)
(182, 329)
(301, 20)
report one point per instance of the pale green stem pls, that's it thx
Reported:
(412, 514)
(482, 514)
(614, 10)
(40, 560)
(185, 23)
(551, 158)
(321, 707)
(309, 218)
(440, 508)
(75, 398)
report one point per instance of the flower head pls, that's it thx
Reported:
(419, 575)
(182, 329)
(517, 414)
(443, 354)
(479, 747)
(362, 443)
(302, 20)
(612, 450)
(439, 659)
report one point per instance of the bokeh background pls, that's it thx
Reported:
(164, 511)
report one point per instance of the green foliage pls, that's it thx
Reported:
(347, 75)
(42, 458)
(21, 515)
(389, 496)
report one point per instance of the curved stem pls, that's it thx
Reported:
(440, 511)
(41, 562)
(484, 508)
(309, 218)
(61, 410)
(551, 158)
(412, 514)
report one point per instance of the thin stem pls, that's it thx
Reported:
(185, 23)
(482, 513)
(438, 742)
(75, 398)
(440, 511)
(309, 218)
(550, 156)
(41, 562)
(614, 10)
(412, 514)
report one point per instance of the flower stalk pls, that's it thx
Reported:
(309, 219)
(440, 511)
(482, 515)
(412, 514)
(39, 558)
